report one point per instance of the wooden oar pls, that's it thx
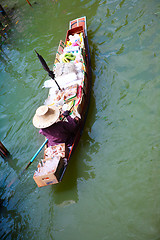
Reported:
(46, 68)
(35, 155)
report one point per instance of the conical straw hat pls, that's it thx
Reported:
(45, 116)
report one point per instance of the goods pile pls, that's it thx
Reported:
(52, 156)
(69, 70)
(47, 166)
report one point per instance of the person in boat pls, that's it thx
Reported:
(57, 131)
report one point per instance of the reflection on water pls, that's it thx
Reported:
(112, 181)
(66, 192)
(12, 223)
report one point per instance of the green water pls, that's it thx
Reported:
(111, 190)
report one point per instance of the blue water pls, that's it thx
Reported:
(111, 188)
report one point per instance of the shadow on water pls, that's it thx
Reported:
(68, 185)
(66, 192)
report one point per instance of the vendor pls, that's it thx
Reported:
(56, 131)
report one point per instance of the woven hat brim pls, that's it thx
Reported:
(47, 119)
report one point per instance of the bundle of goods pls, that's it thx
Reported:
(72, 51)
(63, 68)
(76, 40)
(47, 166)
(67, 74)
(57, 150)
(70, 93)
(60, 97)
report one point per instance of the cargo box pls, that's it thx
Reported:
(53, 176)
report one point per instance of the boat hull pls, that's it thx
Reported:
(76, 26)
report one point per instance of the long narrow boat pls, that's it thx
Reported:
(72, 54)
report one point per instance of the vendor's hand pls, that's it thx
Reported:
(77, 119)
(66, 113)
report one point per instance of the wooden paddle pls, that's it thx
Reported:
(46, 68)
(35, 155)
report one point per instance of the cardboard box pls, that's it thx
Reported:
(51, 177)
(45, 180)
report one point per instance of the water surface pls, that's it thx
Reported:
(111, 189)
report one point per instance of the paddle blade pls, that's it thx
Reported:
(16, 178)
(46, 68)
(35, 155)
(43, 62)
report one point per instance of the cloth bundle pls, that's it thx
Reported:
(64, 68)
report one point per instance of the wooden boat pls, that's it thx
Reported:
(78, 98)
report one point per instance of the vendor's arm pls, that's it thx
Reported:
(72, 124)
(71, 121)
(41, 131)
